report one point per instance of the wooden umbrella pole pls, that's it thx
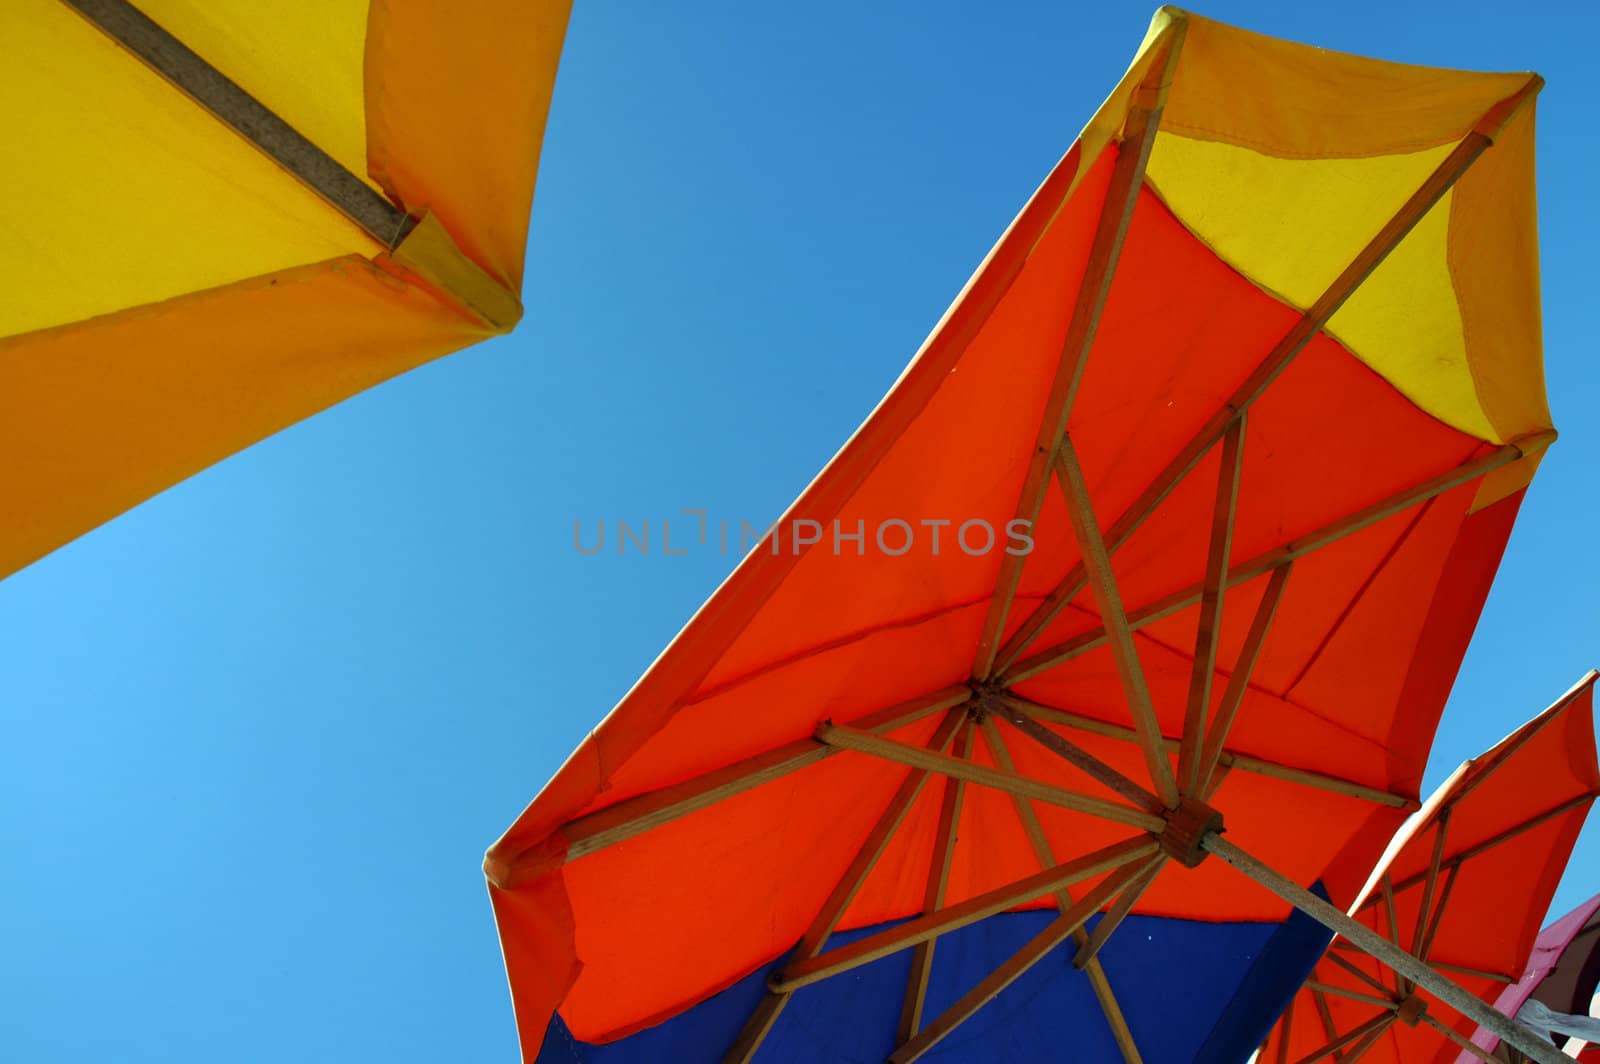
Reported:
(1382, 949)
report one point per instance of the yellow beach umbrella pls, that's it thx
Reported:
(223, 216)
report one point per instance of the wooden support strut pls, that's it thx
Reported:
(1387, 952)
(1227, 760)
(247, 116)
(972, 772)
(1216, 736)
(1014, 712)
(1208, 631)
(925, 928)
(1105, 249)
(1119, 633)
(939, 862)
(632, 816)
(1045, 855)
(1276, 361)
(833, 909)
(1037, 948)
(1265, 562)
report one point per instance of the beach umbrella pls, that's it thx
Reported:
(1178, 524)
(1463, 886)
(221, 218)
(1562, 974)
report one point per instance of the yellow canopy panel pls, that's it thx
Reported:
(1286, 159)
(221, 216)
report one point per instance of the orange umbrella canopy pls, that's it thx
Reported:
(1187, 507)
(222, 218)
(1464, 885)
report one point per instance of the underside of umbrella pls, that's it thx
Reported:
(1178, 525)
(221, 219)
(1464, 887)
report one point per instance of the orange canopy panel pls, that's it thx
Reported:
(310, 197)
(1207, 472)
(1464, 885)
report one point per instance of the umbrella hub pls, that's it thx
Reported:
(1187, 824)
(1411, 1011)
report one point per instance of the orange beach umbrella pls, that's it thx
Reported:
(1177, 525)
(1464, 886)
(221, 218)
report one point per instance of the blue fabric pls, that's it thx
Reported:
(1191, 991)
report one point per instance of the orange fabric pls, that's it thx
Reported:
(1509, 818)
(788, 642)
(1350, 684)
(99, 416)
(457, 96)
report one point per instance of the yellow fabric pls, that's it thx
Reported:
(120, 191)
(456, 101)
(429, 252)
(98, 416)
(1287, 159)
(301, 58)
(170, 295)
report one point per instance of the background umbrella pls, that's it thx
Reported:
(1563, 974)
(713, 820)
(221, 219)
(1463, 887)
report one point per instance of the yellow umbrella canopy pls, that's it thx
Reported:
(223, 216)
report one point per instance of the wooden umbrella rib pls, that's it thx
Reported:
(1037, 948)
(1374, 1025)
(1353, 995)
(1425, 910)
(1263, 563)
(1208, 631)
(1283, 1035)
(1228, 759)
(1094, 286)
(1478, 849)
(1103, 582)
(939, 863)
(1365, 977)
(1014, 713)
(1045, 855)
(1114, 916)
(1134, 851)
(1276, 361)
(1216, 736)
(1325, 1014)
(833, 909)
(631, 816)
(1439, 910)
(918, 757)
(1365, 1046)
(1461, 1040)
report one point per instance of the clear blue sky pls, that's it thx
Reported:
(258, 732)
